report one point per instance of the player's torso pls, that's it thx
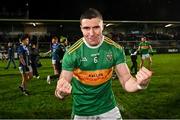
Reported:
(24, 51)
(94, 65)
(53, 49)
(98, 58)
(92, 93)
(144, 47)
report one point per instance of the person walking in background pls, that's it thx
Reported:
(56, 50)
(55, 43)
(34, 55)
(11, 51)
(57, 55)
(24, 64)
(65, 43)
(145, 49)
(3, 52)
(87, 69)
(133, 55)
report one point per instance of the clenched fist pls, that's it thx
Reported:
(143, 77)
(63, 88)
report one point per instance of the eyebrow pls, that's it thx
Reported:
(86, 27)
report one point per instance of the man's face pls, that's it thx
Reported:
(92, 30)
(25, 41)
(54, 40)
(143, 39)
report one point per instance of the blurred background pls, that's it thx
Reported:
(125, 22)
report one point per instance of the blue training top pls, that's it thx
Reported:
(24, 51)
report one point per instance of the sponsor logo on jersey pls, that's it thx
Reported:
(84, 59)
(93, 78)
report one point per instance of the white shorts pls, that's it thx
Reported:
(144, 56)
(113, 114)
(53, 61)
(24, 69)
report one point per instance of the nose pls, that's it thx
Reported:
(91, 32)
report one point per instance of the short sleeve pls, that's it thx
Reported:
(20, 50)
(69, 61)
(119, 56)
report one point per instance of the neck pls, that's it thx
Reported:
(94, 47)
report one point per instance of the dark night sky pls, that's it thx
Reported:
(111, 10)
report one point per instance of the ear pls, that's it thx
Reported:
(103, 27)
(81, 27)
(102, 24)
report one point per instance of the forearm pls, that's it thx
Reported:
(22, 61)
(138, 49)
(126, 79)
(151, 48)
(67, 75)
(48, 52)
(130, 83)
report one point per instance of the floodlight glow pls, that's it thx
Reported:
(168, 25)
(34, 24)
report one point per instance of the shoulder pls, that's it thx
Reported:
(140, 43)
(20, 47)
(75, 46)
(148, 42)
(112, 43)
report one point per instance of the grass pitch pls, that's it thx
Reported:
(160, 100)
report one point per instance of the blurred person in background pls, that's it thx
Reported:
(57, 52)
(11, 51)
(145, 49)
(34, 55)
(24, 63)
(3, 52)
(133, 55)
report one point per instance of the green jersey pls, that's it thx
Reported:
(144, 47)
(92, 71)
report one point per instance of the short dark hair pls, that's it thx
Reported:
(91, 13)
(54, 37)
(23, 37)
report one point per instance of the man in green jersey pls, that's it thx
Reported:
(87, 69)
(145, 48)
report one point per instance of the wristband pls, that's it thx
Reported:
(139, 87)
(142, 87)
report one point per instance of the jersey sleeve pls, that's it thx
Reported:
(20, 50)
(119, 56)
(58, 53)
(69, 62)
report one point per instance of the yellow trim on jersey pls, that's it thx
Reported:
(111, 42)
(144, 47)
(75, 46)
(93, 78)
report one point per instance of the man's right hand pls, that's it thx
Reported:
(63, 88)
